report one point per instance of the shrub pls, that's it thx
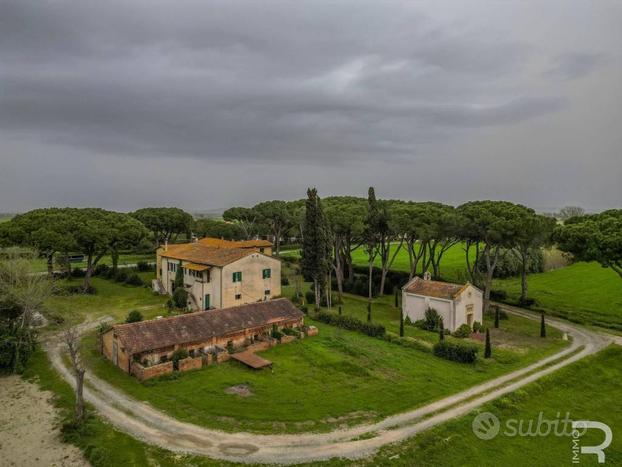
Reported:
(477, 326)
(351, 323)
(134, 316)
(291, 332)
(144, 266)
(455, 351)
(101, 270)
(104, 328)
(121, 276)
(431, 321)
(463, 331)
(179, 354)
(498, 295)
(284, 280)
(276, 334)
(78, 273)
(296, 299)
(310, 297)
(180, 297)
(77, 290)
(527, 302)
(304, 309)
(134, 279)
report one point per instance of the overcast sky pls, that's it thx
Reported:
(209, 104)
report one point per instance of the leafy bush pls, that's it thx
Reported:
(76, 290)
(121, 275)
(291, 332)
(296, 299)
(304, 309)
(78, 273)
(352, 324)
(498, 295)
(431, 321)
(179, 354)
(134, 316)
(477, 326)
(463, 331)
(134, 279)
(502, 313)
(101, 270)
(276, 334)
(144, 266)
(104, 328)
(180, 297)
(527, 302)
(310, 297)
(455, 351)
(284, 280)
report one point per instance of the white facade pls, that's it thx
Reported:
(465, 307)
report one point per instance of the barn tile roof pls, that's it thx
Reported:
(221, 243)
(203, 325)
(429, 288)
(198, 253)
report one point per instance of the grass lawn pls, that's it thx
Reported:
(40, 264)
(583, 292)
(339, 377)
(111, 299)
(587, 390)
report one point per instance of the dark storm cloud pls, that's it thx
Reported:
(336, 83)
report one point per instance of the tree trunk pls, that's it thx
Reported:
(316, 290)
(79, 394)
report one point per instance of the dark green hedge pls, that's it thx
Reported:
(455, 351)
(350, 323)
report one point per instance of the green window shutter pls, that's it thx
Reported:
(267, 273)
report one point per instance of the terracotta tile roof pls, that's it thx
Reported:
(220, 243)
(198, 253)
(201, 326)
(195, 267)
(445, 290)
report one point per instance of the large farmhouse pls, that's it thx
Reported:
(146, 348)
(217, 275)
(457, 304)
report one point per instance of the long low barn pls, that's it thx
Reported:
(202, 332)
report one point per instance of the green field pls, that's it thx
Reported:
(111, 299)
(587, 390)
(338, 377)
(40, 264)
(583, 292)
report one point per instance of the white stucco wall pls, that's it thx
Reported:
(453, 312)
(252, 286)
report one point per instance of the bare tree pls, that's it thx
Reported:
(71, 338)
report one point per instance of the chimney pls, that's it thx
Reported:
(166, 245)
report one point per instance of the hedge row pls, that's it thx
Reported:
(350, 323)
(456, 351)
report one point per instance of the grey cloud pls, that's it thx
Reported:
(269, 83)
(575, 65)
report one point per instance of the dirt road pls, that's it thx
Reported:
(155, 427)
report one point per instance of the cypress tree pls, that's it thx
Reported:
(441, 330)
(488, 349)
(542, 325)
(497, 312)
(316, 245)
(179, 276)
(369, 312)
(340, 310)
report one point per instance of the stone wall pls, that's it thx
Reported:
(143, 373)
(190, 363)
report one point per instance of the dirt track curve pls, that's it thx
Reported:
(155, 427)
